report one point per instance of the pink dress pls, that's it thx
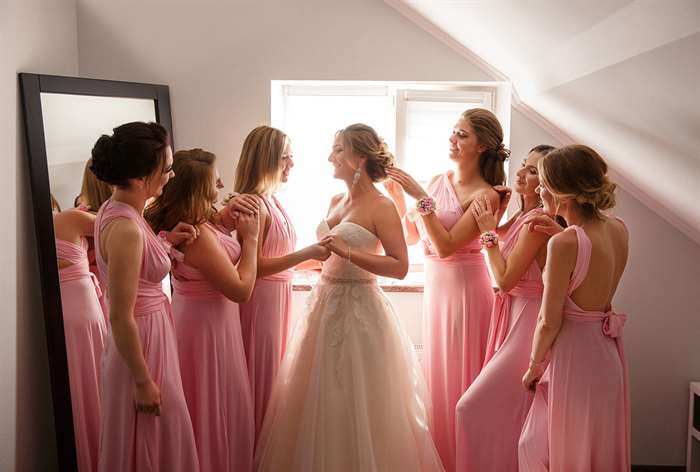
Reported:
(265, 317)
(457, 306)
(93, 268)
(580, 417)
(490, 415)
(131, 441)
(85, 332)
(213, 366)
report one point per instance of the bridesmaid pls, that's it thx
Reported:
(93, 194)
(216, 274)
(140, 368)
(579, 420)
(265, 163)
(84, 328)
(458, 294)
(490, 415)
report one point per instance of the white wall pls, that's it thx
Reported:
(218, 58)
(39, 36)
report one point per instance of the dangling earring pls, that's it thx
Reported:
(356, 176)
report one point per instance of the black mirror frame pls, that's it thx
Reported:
(31, 87)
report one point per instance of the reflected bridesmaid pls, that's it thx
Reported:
(145, 422)
(458, 294)
(93, 194)
(579, 420)
(265, 163)
(217, 273)
(84, 328)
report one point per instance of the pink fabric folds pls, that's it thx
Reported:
(580, 417)
(213, 367)
(491, 413)
(85, 333)
(265, 317)
(457, 304)
(132, 441)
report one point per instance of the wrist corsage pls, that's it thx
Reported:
(426, 205)
(229, 197)
(489, 239)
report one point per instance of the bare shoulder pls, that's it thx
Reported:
(124, 229)
(204, 242)
(384, 208)
(563, 244)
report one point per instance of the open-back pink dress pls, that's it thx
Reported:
(85, 331)
(580, 417)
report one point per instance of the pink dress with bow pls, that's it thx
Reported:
(137, 441)
(85, 331)
(580, 417)
(265, 317)
(213, 367)
(457, 306)
(491, 413)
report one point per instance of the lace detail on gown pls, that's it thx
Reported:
(350, 394)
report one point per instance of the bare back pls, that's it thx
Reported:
(609, 251)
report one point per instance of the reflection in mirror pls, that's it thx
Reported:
(72, 124)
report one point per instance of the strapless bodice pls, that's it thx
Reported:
(358, 238)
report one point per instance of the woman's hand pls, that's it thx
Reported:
(543, 224)
(248, 226)
(336, 244)
(408, 183)
(484, 215)
(394, 189)
(318, 252)
(505, 194)
(147, 398)
(244, 204)
(531, 378)
(182, 233)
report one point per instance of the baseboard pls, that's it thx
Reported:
(658, 468)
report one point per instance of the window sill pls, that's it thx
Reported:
(304, 281)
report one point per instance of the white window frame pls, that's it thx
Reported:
(494, 96)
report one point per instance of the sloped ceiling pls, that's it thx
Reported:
(622, 76)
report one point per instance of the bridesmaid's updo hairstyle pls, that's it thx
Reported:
(134, 150)
(187, 197)
(258, 168)
(364, 141)
(489, 133)
(579, 173)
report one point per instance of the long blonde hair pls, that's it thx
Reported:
(258, 168)
(187, 197)
(93, 192)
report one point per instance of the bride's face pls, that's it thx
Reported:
(341, 159)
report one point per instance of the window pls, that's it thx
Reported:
(415, 119)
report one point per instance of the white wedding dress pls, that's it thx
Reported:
(350, 395)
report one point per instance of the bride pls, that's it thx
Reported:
(350, 395)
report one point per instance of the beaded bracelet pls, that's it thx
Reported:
(426, 205)
(489, 239)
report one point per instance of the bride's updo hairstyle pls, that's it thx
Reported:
(135, 150)
(362, 140)
(579, 173)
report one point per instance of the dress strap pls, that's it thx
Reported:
(583, 258)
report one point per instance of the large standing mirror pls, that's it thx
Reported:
(63, 118)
